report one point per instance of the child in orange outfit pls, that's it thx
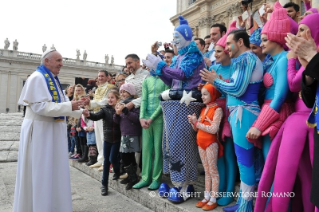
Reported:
(208, 145)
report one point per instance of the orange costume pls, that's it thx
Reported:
(208, 145)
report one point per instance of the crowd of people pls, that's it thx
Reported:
(242, 98)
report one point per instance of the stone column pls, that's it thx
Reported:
(234, 11)
(204, 25)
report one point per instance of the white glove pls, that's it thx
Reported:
(165, 95)
(152, 61)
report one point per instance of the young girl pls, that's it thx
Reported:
(131, 131)
(112, 138)
(88, 126)
(81, 147)
(208, 145)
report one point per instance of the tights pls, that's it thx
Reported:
(128, 158)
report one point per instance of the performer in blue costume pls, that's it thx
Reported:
(227, 163)
(242, 102)
(275, 110)
(179, 140)
(267, 61)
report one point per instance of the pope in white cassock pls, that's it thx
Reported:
(43, 177)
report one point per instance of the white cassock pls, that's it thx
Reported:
(43, 175)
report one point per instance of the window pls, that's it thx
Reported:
(191, 2)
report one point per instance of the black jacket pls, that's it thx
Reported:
(111, 130)
(308, 92)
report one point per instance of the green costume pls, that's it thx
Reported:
(152, 137)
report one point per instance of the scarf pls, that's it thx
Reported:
(192, 59)
(52, 86)
(313, 118)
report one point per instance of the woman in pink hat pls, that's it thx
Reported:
(293, 139)
(275, 108)
(227, 166)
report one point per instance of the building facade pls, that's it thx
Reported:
(15, 66)
(201, 14)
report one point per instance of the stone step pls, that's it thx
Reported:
(8, 156)
(16, 129)
(9, 136)
(147, 198)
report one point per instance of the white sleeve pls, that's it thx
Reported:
(53, 109)
(137, 102)
(94, 103)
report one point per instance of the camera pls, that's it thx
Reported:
(166, 45)
(159, 44)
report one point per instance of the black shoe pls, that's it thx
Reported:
(104, 190)
(125, 181)
(130, 185)
(116, 176)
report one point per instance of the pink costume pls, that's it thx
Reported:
(290, 154)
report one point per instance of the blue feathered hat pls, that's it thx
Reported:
(184, 29)
(255, 37)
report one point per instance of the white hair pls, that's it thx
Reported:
(47, 54)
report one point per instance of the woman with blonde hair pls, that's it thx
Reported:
(79, 92)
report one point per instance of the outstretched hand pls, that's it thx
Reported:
(154, 47)
(77, 105)
(152, 61)
(86, 113)
(86, 100)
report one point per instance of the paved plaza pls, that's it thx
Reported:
(85, 182)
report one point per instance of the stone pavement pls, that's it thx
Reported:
(85, 182)
(85, 193)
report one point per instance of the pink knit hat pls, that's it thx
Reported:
(313, 10)
(277, 27)
(128, 87)
(312, 21)
(222, 41)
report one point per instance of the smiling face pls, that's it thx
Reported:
(232, 46)
(120, 80)
(266, 45)
(256, 50)
(54, 62)
(179, 40)
(206, 96)
(79, 91)
(132, 65)
(220, 54)
(124, 94)
(112, 99)
(70, 90)
(102, 78)
(215, 34)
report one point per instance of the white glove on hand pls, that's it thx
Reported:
(152, 61)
